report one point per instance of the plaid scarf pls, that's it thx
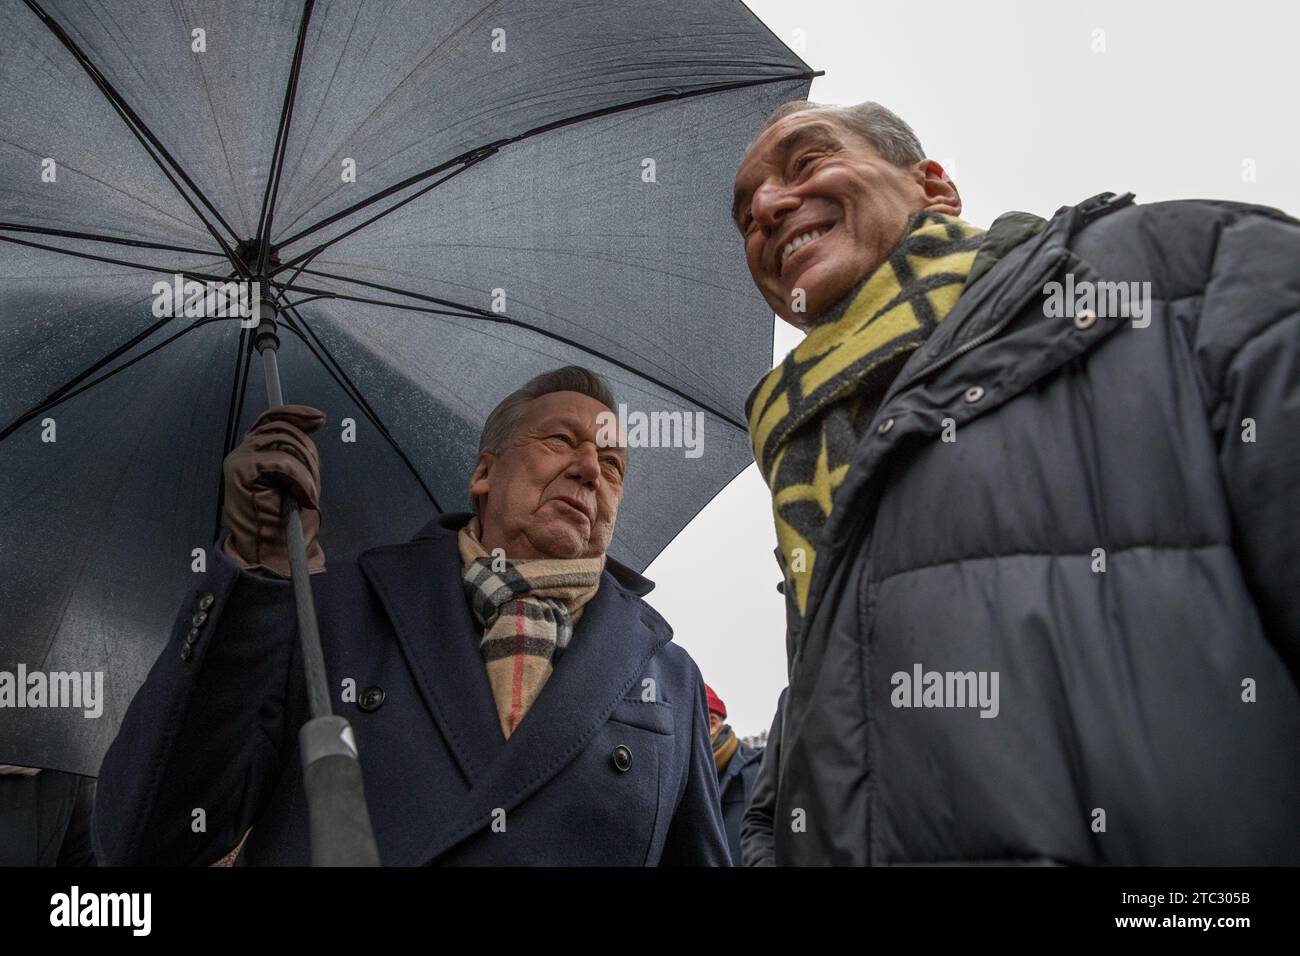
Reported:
(527, 609)
(806, 415)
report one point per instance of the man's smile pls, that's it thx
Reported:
(794, 241)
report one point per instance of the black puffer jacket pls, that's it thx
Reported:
(1147, 712)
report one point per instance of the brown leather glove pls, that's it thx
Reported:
(276, 455)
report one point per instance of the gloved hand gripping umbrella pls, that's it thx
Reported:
(433, 200)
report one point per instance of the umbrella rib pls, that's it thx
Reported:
(494, 147)
(470, 311)
(239, 388)
(93, 237)
(142, 133)
(310, 298)
(243, 391)
(327, 294)
(473, 312)
(243, 359)
(66, 391)
(352, 391)
(143, 267)
(281, 141)
(466, 160)
(349, 388)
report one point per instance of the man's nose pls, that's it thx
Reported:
(771, 203)
(585, 466)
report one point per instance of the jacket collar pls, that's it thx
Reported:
(1008, 231)
(1020, 252)
(1025, 258)
(419, 585)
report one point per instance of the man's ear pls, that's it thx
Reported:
(479, 480)
(940, 191)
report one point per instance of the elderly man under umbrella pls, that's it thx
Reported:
(514, 700)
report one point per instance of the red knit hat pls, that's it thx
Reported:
(716, 706)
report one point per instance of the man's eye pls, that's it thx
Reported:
(803, 161)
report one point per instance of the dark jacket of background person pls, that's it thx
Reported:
(1121, 692)
(735, 784)
(595, 774)
(45, 818)
(757, 840)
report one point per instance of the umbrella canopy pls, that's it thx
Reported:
(459, 195)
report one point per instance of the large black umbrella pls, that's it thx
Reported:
(443, 198)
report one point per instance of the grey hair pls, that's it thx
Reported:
(885, 130)
(501, 422)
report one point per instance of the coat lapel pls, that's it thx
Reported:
(611, 646)
(419, 584)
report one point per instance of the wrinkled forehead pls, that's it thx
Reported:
(581, 415)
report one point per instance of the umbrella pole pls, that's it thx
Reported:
(341, 834)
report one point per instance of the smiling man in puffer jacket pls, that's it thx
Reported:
(1036, 494)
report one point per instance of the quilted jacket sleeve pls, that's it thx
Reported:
(1249, 346)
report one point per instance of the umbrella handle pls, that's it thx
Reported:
(336, 798)
(341, 834)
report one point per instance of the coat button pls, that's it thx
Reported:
(192, 636)
(885, 426)
(187, 652)
(370, 699)
(198, 619)
(974, 394)
(622, 759)
(1084, 319)
(205, 602)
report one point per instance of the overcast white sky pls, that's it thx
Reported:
(1028, 105)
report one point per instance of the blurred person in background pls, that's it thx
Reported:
(737, 766)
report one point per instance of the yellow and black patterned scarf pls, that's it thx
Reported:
(806, 415)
